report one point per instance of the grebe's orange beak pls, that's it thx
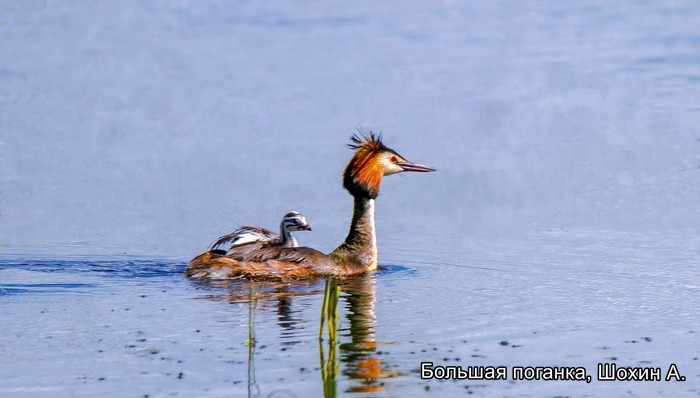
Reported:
(408, 166)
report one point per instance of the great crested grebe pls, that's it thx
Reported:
(258, 237)
(371, 161)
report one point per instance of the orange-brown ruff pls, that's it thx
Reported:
(371, 161)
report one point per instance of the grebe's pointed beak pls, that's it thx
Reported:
(408, 166)
(305, 228)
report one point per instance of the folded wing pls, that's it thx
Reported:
(243, 236)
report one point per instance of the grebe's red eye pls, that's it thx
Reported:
(393, 159)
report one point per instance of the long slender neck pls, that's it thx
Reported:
(286, 238)
(360, 246)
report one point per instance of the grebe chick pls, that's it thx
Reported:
(246, 235)
(371, 161)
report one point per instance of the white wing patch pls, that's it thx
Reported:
(249, 236)
(242, 236)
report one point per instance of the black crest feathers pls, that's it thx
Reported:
(367, 140)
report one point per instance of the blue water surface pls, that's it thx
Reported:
(561, 228)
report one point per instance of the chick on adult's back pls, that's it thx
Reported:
(261, 237)
(371, 161)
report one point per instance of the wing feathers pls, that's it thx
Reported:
(244, 235)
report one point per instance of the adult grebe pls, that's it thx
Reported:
(258, 238)
(371, 161)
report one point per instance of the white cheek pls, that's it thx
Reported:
(392, 168)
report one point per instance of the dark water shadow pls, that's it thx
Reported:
(7, 289)
(396, 270)
(119, 268)
(81, 276)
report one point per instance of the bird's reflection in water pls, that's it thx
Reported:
(271, 297)
(347, 339)
(360, 354)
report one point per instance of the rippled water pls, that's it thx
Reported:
(560, 230)
(562, 298)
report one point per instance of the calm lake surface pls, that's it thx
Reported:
(562, 227)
